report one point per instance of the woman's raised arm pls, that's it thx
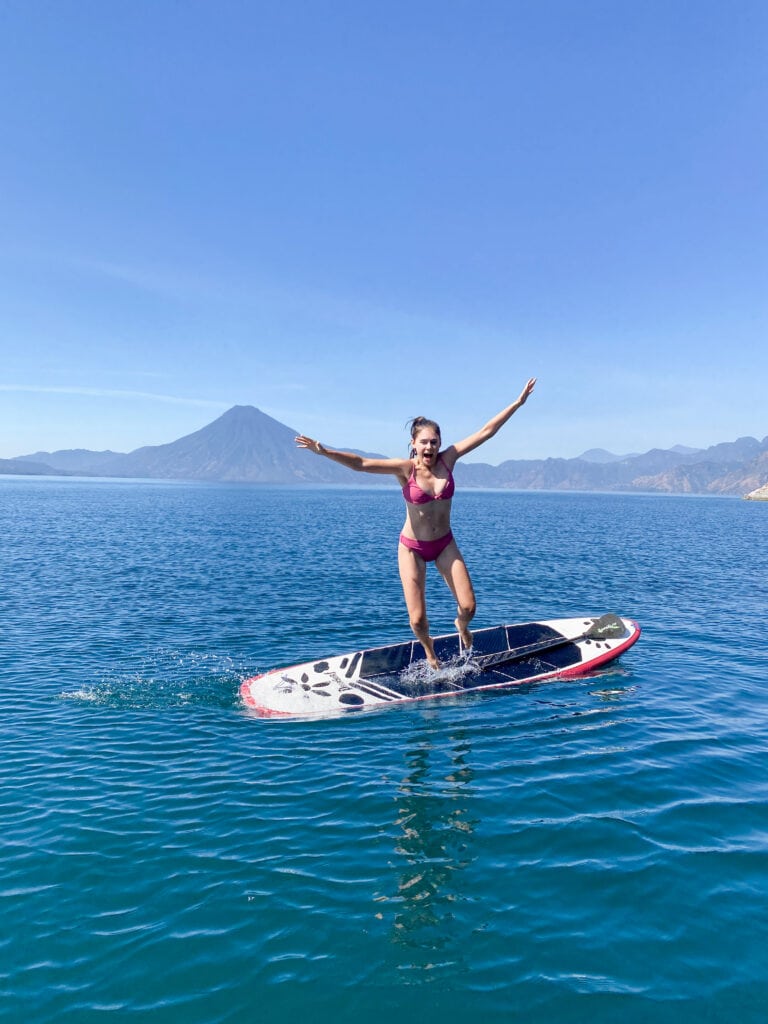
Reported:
(359, 463)
(494, 424)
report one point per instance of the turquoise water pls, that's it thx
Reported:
(591, 850)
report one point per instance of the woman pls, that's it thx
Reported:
(427, 482)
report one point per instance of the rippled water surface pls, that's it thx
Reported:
(591, 850)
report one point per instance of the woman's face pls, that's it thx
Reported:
(427, 445)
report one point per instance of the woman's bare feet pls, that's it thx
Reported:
(429, 650)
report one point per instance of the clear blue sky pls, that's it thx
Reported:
(349, 213)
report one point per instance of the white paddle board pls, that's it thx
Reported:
(501, 656)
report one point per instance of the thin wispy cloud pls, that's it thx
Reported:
(113, 393)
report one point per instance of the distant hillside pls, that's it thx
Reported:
(72, 460)
(26, 467)
(601, 455)
(730, 468)
(247, 445)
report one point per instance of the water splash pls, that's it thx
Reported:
(166, 679)
(419, 677)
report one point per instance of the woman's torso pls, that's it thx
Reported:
(428, 497)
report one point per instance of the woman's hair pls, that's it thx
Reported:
(420, 423)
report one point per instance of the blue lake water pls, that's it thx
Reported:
(590, 850)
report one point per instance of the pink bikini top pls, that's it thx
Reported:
(416, 495)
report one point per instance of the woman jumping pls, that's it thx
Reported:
(427, 482)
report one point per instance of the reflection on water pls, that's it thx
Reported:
(436, 826)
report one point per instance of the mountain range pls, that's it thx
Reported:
(247, 445)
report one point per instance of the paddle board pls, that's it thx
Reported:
(501, 656)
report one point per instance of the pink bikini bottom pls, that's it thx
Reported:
(428, 549)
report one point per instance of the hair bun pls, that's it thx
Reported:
(419, 423)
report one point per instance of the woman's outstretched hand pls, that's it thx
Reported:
(527, 390)
(307, 442)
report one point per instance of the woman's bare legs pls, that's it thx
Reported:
(454, 572)
(413, 575)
